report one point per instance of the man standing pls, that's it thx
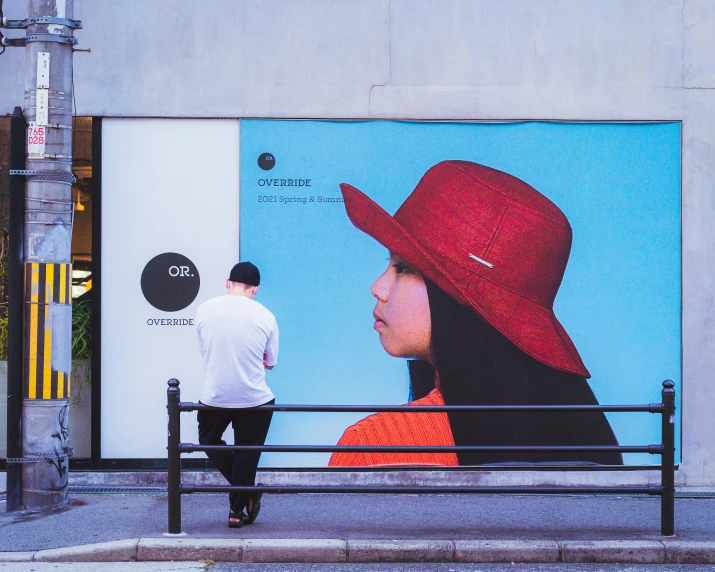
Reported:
(238, 340)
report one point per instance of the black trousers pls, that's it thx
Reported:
(250, 427)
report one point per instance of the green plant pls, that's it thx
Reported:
(3, 269)
(3, 332)
(81, 330)
(81, 345)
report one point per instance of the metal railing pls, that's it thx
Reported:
(666, 449)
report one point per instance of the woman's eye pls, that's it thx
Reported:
(399, 268)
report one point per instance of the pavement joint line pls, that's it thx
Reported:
(667, 551)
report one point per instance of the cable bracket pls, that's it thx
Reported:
(22, 42)
(53, 176)
(40, 457)
(57, 38)
(22, 24)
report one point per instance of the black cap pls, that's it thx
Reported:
(245, 272)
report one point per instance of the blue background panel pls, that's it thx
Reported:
(618, 184)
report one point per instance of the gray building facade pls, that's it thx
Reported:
(476, 60)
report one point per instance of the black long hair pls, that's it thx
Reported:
(477, 365)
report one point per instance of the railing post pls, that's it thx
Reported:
(667, 478)
(173, 395)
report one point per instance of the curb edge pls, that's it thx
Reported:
(380, 550)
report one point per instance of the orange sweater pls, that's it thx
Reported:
(383, 429)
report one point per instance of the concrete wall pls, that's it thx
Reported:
(429, 59)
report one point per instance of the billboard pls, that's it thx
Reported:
(528, 263)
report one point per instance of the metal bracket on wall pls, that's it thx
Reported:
(51, 176)
(22, 24)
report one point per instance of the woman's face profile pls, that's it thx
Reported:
(402, 316)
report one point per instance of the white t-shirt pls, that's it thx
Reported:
(234, 333)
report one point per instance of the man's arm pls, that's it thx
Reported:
(270, 355)
(201, 340)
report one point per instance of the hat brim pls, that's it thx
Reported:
(530, 326)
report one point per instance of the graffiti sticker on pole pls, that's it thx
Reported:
(43, 70)
(35, 141)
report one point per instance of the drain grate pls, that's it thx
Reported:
(694, 495)
(87, 490)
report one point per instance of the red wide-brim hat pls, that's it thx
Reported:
(490, 241)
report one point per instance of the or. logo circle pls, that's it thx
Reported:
(266, 161)
(170, 282)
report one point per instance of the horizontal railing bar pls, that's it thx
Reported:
(665, 490)
(546, 467)
(651, 449)
(650, 408)
(277, 489)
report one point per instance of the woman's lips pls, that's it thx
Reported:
(379, 322)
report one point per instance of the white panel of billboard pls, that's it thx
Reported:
(168, 186)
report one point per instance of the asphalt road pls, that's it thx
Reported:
(101, 518)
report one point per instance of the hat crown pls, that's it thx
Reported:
(461, 208)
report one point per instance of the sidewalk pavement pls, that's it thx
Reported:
(366, 528)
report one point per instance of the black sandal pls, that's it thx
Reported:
(255, 502)
(240, 519)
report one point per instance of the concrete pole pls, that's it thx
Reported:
(47, 255)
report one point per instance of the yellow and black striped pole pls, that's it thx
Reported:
(48, 339)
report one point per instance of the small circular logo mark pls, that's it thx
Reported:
(170, 282)
(266, 161)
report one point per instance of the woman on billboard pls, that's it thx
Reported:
(476, 259)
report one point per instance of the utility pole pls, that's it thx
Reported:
(49, 214)
(15, 311)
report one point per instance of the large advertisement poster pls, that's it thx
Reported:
(525, 263)
(169, 234)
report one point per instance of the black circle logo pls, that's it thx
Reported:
(170, 282)
(266, 161)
